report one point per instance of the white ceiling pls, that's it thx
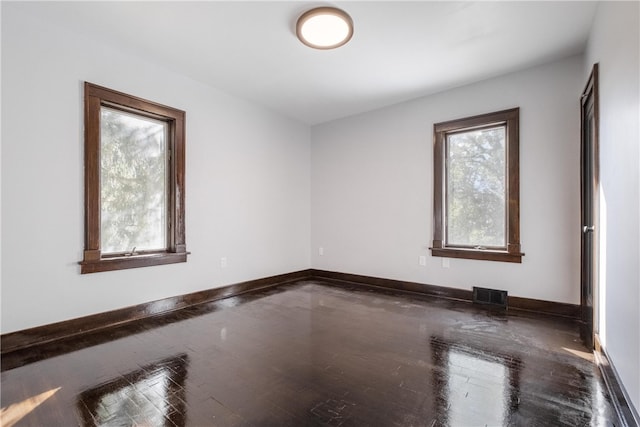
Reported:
(399, 51)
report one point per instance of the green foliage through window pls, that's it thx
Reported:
(134, 170)
(476, 188)
(133, 182)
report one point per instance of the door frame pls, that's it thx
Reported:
(590, 313)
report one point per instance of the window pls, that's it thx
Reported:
(134, 182)
(476, 188)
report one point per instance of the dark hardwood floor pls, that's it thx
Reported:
(308, 354)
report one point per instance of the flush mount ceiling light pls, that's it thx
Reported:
(324, 28)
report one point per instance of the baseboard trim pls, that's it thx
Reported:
(571, 311)
(26, 338)
(627, 414)
(553, 308)
(38, 335)
(392, 284)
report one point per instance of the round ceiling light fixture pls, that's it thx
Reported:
(324, 28)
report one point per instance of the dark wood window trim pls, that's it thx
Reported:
(94, 261)
(512, 252)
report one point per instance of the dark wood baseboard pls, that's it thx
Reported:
(553, 308)
(26, 338)
(571, 311)
(627, 414)
(395, 285)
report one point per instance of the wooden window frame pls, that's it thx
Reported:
(510, 118)
(94, 261)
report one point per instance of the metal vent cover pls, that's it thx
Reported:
(493, 297)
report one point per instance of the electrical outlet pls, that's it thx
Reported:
(423, 260)
(445, 263)
(223, 262)
(320, 251)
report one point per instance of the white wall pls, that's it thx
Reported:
(247, 180)
(372, 187)
(614, 44)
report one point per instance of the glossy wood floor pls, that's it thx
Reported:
(309, 354)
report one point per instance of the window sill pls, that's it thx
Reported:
(135, 261)
(483, 255)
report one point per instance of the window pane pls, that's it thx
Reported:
(476, 188)
(133, 182)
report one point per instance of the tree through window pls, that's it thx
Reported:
(476, 194)
(134, 182)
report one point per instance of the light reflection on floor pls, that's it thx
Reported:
(10, 415)
(487, 390)
(150, 396)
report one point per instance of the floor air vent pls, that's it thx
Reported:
(491, 297)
